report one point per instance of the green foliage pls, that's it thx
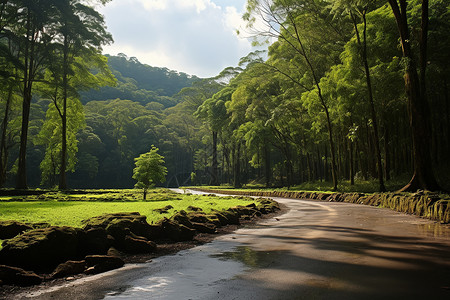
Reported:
(149, 170)
(50, 137)
(141, 83)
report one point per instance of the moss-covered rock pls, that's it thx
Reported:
(182, 218)
(94, 241)
(204, 227)
(117, 225)
(41, 249)
(194, 208)
(9, 229)
(17, 276)
(101, 263)
(175, 231)
(69, 268)
(164, 210)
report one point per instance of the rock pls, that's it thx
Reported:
(182, 218)
(113, 252)
(102, 263)
(115, 225)
(193, 208)
(164, 210)
(41, 249)
(204, 227)
(9, 229)
(69, 268)
(198, 217)
(17, 276)
(233, 218)
(174, 231)
(221, 217)
(138, 245)
(95, 241)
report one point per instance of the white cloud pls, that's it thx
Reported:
(193, 36)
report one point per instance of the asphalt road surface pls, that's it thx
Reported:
(316, 250)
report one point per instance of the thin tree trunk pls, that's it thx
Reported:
(27, 84)
(62, 172)
(267, 167)
(214, 180)
(382, 188)
(352, 168)
(3, 148)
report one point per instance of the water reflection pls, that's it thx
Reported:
(434, 230)
(249, 257)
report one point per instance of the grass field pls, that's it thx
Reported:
(70, 209)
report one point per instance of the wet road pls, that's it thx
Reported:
(316, 250)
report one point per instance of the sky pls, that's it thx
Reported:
(197, 37)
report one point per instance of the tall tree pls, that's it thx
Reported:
(296, 25)
(357, 10)
(415, 86)
(36, 20)
(81, 33)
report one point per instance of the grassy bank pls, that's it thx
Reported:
(70, 209)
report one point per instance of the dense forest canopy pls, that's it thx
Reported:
(348, 90)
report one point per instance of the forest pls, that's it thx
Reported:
(347, 91)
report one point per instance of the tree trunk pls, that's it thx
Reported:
(382, 188)
(267, 167)
(237, 167)
(423, 175)
(214, 180)
(352, 168)
(387, 163)
(27, 84)
(62, 172)
(3, 148)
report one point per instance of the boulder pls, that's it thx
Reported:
(113, 252)
(233, 218)
(182, 218)
(115, 225)
(175, 231)
(198, 217)
(221, 217)
(194, 208)
(69, 268)
(164, 210)
(9, 229)
(134, 244)
(204, 227)
(41, 249)
(16, 276)
(101, 263)
(95, 241)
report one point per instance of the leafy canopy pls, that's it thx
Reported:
(149, 169)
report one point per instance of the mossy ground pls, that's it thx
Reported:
(70, 209)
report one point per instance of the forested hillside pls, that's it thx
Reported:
(140, 83)
(345, 93)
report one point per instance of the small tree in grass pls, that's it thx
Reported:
(149, 170)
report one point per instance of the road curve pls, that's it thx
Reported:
(316, 250)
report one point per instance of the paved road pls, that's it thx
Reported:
(316, 250)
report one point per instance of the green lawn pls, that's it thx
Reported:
(67, 211)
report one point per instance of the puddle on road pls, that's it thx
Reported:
(249, 257)
(434, 230)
